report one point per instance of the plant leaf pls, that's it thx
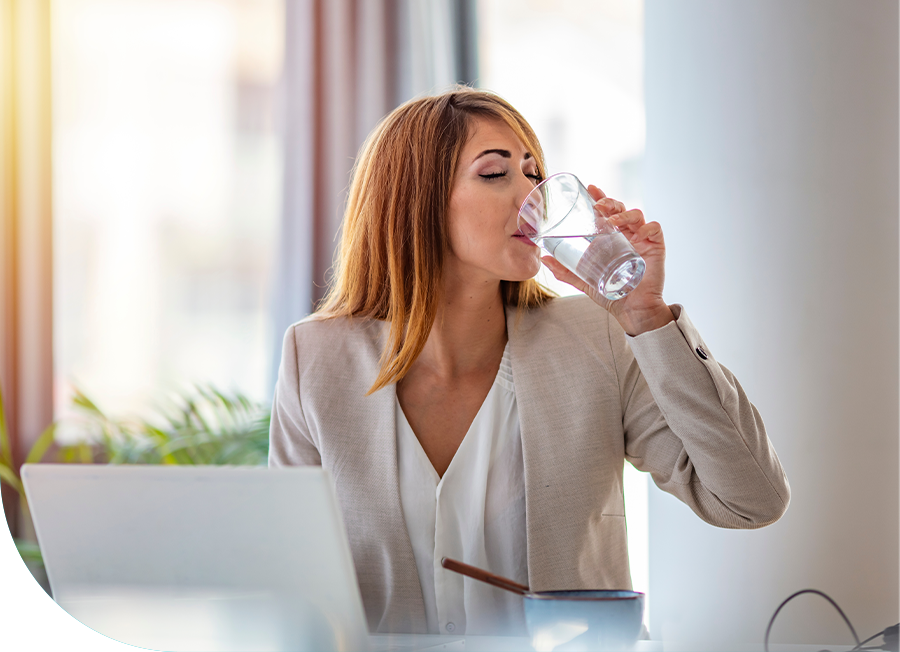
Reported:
(85, 454)
(10, 477)
(41, 445)
(200, 426)
(29, 551)
(86, 404)
(5, 446)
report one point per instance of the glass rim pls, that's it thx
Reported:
(546, 180)
(541, 185)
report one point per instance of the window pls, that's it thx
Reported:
(167, 193)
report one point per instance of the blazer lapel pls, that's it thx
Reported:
(535, 374)
(367, 470)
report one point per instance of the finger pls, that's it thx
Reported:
(595, 192)
(608, 206)
(651, 232)
(630, 220)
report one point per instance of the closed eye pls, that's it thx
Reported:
(537, 178)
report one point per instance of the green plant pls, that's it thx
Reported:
(203, 427)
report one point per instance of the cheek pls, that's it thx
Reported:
(457, 227)
(467, 226)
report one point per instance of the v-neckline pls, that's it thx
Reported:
(420, 450)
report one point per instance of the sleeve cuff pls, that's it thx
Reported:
(674, 335)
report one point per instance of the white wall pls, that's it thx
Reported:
(772, 162)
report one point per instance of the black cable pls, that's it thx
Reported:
(817, 592)
(890, 639)
(859, 646)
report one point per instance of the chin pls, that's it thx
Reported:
(520, 267)
(523, 274)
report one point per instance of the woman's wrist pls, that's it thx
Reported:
(637, 321)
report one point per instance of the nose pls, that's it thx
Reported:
(523, 188)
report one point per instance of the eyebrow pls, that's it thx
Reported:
(505, 153)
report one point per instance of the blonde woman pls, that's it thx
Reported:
(466, 412)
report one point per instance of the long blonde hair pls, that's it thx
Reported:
(395, 230)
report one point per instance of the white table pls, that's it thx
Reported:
(436, 642)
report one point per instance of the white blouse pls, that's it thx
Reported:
(474, 514)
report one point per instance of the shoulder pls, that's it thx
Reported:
(336, 341)
(576, 316)
(576, 307)
(565, 334)
(316, 326)
(568, 348)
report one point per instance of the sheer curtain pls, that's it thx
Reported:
(26, 344)
(347, 64)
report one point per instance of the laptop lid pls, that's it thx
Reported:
(199, 558)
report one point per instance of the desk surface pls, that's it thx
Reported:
(437, 642)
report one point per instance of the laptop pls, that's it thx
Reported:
(199, 558)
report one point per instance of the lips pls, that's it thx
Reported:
(525, 230)
(524, 238)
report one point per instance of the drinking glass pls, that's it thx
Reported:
(559, 216)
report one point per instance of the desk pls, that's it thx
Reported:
(441, 642)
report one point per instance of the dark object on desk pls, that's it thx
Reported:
(484, 576)
(586, 619)
(891, 638)
(890, 643)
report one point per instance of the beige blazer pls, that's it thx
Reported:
(589, 397)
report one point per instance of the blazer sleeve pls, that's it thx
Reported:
(290, 441)
(690, 425)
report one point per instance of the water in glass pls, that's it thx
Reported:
(605, 261)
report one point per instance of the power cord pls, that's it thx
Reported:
(890, 639)
(890, 633)
(817, 592)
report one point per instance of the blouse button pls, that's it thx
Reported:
(703, 355)
(450, 627)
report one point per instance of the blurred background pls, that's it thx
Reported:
(170, 165)
(172, 180)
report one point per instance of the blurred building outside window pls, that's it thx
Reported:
(574, 69)
(167, 193)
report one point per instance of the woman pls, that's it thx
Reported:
(465, 412)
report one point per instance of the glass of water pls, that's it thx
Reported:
(559, 216)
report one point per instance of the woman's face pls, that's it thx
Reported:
(494, 175)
